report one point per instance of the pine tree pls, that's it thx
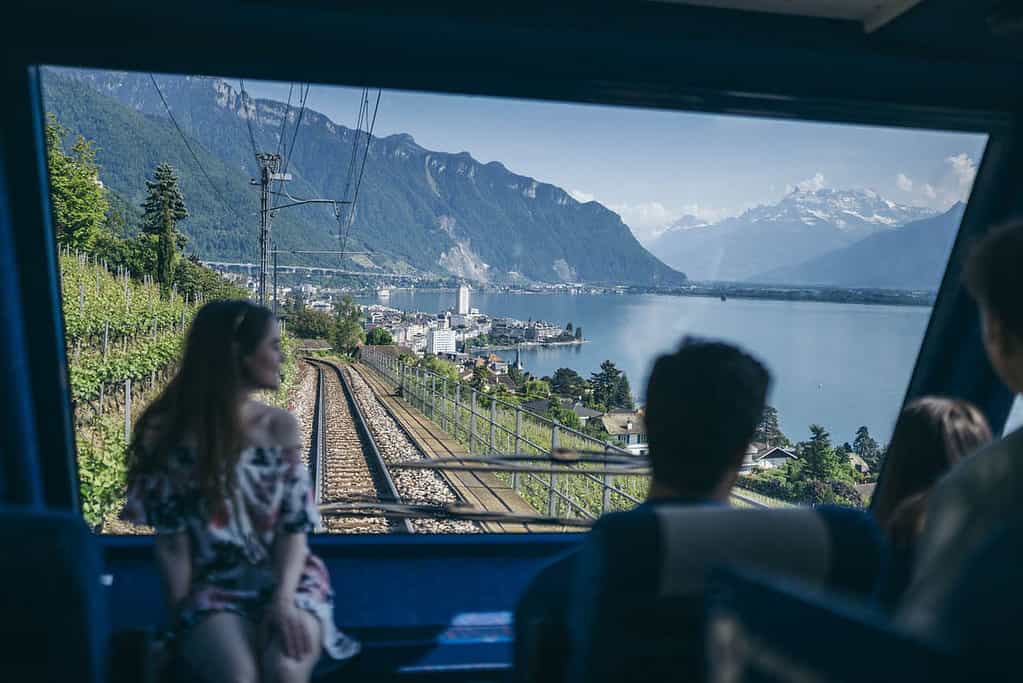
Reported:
(348, 333)
(163, 208)
(769, 432)
(820, 461)
(578, 334)
(866, 447)
(78, 199)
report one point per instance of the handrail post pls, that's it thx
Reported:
(458, 408)
(551, 502)
(433, 396)
(493, 425)
(518, 445)
(444, 404)
(401, 382)
(605, 499)
(472, 419)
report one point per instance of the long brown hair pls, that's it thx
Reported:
(931, 436)
(199, 406)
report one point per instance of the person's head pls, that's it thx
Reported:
(932, 434)
(703, 404)
(232, 349)
(994, 277)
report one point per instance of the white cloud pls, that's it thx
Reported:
(904, 183)
(964, 169)
(645, 219)
(580, 196)
(708, 214)
(808, 185)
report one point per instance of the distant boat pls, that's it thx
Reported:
(724, 298)
(383, 293)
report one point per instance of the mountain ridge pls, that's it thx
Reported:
(419, 210)
(801, 226)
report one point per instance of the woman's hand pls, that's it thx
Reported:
(284, 619)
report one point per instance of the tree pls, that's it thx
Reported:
(348, 334)
(865, 447)
(441, 367)
(820, 461)
(379, 336)
(163, 208)
(622, 395)
(605, 383)
(768, 432)
(78, 199)
(537, 388)
(479, 378)
(578, 334)
(568, 327)
(306, 323)
(517, 376)
(563, 415)
(568, 382)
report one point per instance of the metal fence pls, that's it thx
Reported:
(490, 426)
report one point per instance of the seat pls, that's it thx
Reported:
(637, 608)
(54, 621)
(541, 630)
(767, 629)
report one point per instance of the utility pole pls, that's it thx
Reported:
(269, 171)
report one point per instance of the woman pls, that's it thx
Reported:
(932, 435)
(219, 477)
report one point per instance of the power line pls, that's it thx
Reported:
(298, 125)
(191, 151)
(284, 121)
(248, 121)
(342, 224)
(358, 183)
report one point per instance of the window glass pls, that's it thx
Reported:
(506, 272)
(1015, 420)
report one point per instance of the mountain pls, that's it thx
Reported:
(912, 257)
(418, 210)
(803, 225)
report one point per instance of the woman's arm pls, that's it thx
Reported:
(290, 550)
(174, 556)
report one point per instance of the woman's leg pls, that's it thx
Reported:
(279, 668)
(220, 648)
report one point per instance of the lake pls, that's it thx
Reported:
(838, 365)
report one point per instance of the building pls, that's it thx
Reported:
(440, 341)
(463, 300)
(763, 457)
(626, 429)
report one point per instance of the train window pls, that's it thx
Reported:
(450, 317)
(1015, 419)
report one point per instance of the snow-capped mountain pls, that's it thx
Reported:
(803, 225)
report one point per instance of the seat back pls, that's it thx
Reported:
(54, 621)
(769, 630)
(637, 610)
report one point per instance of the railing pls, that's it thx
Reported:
(490, 426)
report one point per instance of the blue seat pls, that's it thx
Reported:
(637, 609)
(54, 620)
(773, 630)
(541, 631)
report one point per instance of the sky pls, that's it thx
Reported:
(654, 166)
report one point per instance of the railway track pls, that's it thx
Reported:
(351, 441)
(344, 461)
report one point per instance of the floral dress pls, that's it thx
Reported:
(232, 550)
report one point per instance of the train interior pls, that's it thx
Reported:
(83, 606)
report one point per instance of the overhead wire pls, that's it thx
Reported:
(191, 151)
(362, 170)
(248, 122)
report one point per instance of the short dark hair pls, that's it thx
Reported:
(704, 402)
(994, 276)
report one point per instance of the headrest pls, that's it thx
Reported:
(668, 550)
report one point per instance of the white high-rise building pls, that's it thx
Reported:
(440, 341)
(463, 300)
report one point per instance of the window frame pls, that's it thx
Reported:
(951, 359)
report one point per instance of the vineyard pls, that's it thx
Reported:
(123, 339)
